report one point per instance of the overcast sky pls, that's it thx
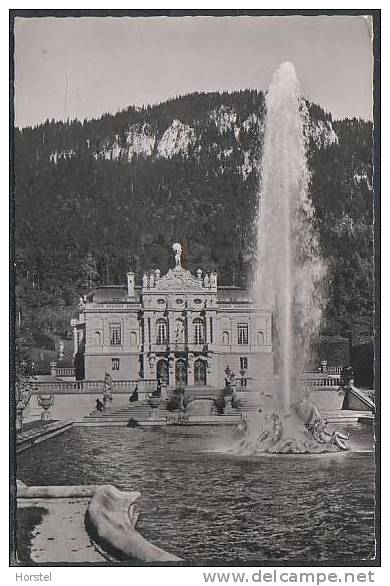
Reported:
(83, 67)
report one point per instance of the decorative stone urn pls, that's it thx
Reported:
(45, 401)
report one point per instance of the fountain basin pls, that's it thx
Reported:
(111, 521)
(204, 505)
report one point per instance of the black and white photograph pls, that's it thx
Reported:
(194, 336)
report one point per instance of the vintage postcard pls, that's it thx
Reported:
(195, 354)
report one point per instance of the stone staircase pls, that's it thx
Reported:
(201, 392)
(120, 416)
(143, 413)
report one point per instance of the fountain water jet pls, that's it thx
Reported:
(289, 266)
(289, 275)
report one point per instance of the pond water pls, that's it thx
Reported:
(206, 506)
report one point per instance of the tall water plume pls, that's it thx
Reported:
(290, 272)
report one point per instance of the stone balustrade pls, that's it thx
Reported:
(334, 369)
(235, 304)
(125, 386)
(306, 381)
(111, 306)
(70, 371)
(321, 382)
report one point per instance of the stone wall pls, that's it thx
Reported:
(96, 365)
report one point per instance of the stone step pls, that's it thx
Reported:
(28, 438)
(126, 412)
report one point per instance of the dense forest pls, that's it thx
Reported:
(96, 197)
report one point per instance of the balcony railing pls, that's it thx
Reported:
(176, 347)
(198, 347)
(179, 347)
(234, 304)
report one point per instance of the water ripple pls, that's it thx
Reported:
(211, 507)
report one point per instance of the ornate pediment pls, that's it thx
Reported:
(178, 279)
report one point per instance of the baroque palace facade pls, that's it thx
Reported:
(182, 327)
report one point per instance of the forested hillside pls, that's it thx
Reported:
(96, 197)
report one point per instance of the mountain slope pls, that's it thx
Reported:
(126, 186)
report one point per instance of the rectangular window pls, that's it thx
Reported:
(114, 363)
(162, 337)
(115, 335)
(198, 331)
(243, 363)
(242, 331)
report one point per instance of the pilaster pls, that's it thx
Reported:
(190, 369)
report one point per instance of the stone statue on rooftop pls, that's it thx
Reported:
(177, 250)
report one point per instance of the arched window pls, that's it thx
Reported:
(260, 338)
(161, 337)
(198, 330)
(97, 338)
(133, 338)
(225, 338)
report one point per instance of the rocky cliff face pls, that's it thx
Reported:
(185, 140)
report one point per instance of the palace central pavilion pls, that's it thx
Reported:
(182, 327)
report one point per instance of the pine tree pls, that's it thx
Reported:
(89, 272)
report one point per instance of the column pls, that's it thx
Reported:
(190, 331)
(149, 332)
(146, 332)
(152, 330)
(171, 370)
(171, 329)
(146, 366)
(147, 372)
(75, 348)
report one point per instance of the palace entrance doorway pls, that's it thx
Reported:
(200, 372)
(162, 371)
(181, 372)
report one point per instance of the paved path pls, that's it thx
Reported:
(61, 537)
